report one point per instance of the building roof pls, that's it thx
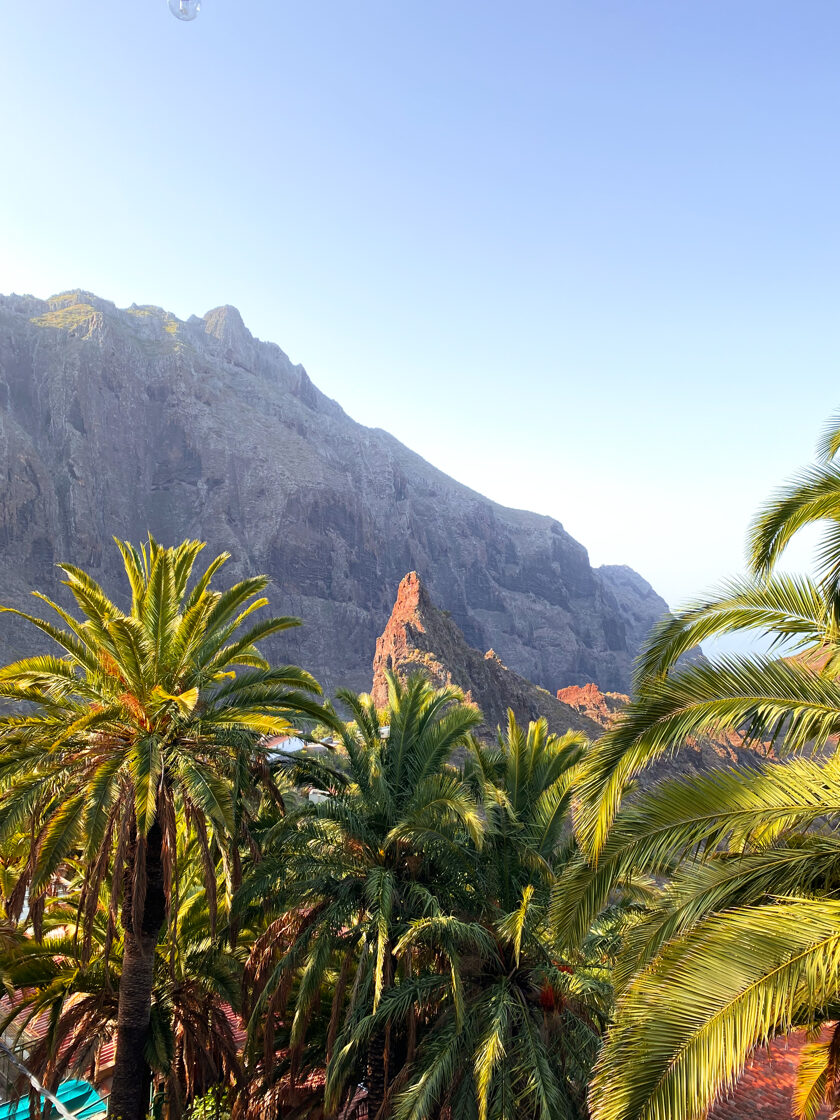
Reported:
(78, 1097)
(765, 1090)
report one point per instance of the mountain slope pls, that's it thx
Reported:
(421, 638)
(117, 422)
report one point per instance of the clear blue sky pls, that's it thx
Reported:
(584, 256)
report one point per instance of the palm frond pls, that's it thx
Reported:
(686, 1025)
(779, 701)
(685, 817)
(788, 607)
(812, 495)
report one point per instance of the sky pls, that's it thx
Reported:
(583, 256)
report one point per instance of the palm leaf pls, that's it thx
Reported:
(145, 764)
(57, 842)
(776, 700)
(812, 495)
(207, 792)
(684, 817)
(685, 1027)
(787, 606)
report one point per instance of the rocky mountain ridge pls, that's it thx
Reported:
(120, 422)
(419, 637)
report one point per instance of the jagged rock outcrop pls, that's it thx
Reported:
(420, 637)
(601, 707)
(117, 422)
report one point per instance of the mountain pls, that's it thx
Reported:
(120, 422)
(419, 637)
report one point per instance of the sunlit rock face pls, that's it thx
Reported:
(119, 422)
(420, 638)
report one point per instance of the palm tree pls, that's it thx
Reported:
(745, 942)
(344, 878)
(787, 697)
(513, 1028)
(68, 999)
(153, 718)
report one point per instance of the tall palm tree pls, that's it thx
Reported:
(745, 942)
(344, 878)
(152, 716)
(67, 999)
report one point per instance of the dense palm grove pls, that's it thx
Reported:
(402, 920)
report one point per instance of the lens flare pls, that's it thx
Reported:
(184, 9)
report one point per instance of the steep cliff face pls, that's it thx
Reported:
(120, 422)
(420, 637)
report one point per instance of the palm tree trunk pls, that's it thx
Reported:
(132, 1076)
(377, 1074)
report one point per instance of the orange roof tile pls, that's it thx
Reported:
(765, 1090)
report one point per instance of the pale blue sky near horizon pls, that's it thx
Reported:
(585, 257)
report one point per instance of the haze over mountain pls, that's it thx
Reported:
(120, 422)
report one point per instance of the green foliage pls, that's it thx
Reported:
(409, 918)
(396, 895)
(686, 1025)
(344, 877)
(744, 942)
(141, 752)
(514, 1029)
(65, 317)
(72, 988)
(148, 717)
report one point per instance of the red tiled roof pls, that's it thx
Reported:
(36, 1030)
(240, 1034)
(765, 1090)
(36, 1027)
(105, 1057)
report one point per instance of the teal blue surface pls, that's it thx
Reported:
(78, 1097)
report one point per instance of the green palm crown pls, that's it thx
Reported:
(153, 719)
